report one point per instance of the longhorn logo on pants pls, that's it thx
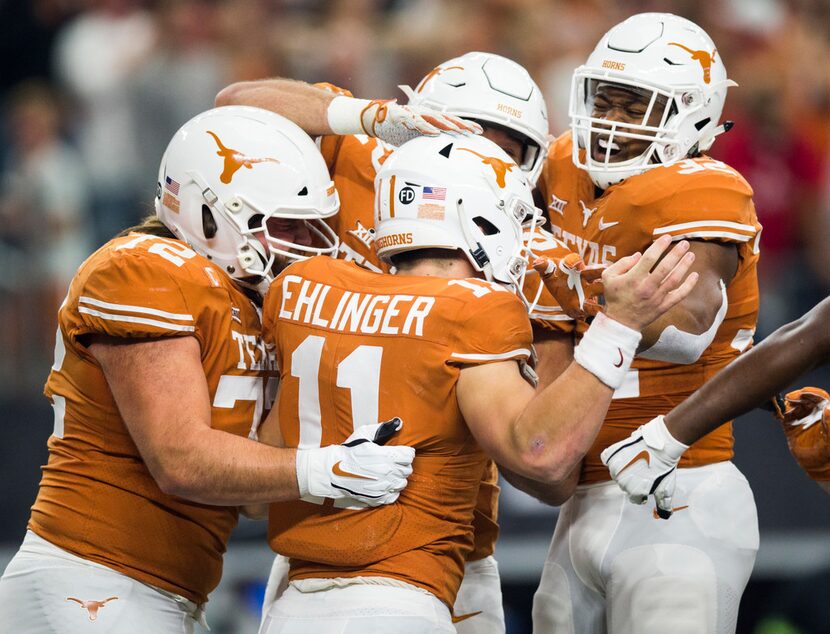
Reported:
(92, 607)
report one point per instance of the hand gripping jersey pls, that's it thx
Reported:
(356, 347)
(696, 199)
(97, 499)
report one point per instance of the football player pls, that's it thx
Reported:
(160, 376)
(644, 110)
(749, 382)
(443, 342)
(500, 96)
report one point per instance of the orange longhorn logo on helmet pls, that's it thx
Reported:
(235, 160)
(435, 71)
(703, 57)
(499, 167)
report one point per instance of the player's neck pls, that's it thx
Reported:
(454, 268)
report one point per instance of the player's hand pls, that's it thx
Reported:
(638, 289)
(805, 423)
(360, 469)
(396, 124)
(645, 464)
(574, 286)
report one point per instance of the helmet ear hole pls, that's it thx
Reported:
(209, 226)
(487, 227)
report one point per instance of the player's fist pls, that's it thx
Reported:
(645, 464)
(574, 286)
(805, 423)
(361, 468)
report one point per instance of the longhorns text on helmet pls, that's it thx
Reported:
(456, 193)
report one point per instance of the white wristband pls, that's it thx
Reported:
(607, 350)
(345, 115)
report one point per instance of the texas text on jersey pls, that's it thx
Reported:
(400, 326)
(142, 532)
(696, 199)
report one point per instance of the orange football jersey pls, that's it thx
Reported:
(386, 346)
(696, 199)
(353, 163)
(97, 498)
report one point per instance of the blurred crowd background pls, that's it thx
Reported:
(92, 90)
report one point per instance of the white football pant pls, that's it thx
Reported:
(356, 609)
(478, 606)
(614, 567)
(46, 590)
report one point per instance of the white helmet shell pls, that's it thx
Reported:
(669, 60)
(451, 192)
(227, 173)
(492, 89)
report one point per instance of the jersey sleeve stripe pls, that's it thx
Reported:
(125, 308)
(722, 224)
(519, 352)
(136, 320)
(737, 237)
(540, 317)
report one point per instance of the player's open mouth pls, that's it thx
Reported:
(601, 145)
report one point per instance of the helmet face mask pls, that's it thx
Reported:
(226, 173)
(670, 67)
(456, 193)
(495, 92)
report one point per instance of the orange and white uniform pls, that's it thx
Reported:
(695, 199)
(97, 502)
(385, 346)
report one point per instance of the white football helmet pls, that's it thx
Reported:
(231, 173)
(451, 192)
(674, 65)
(492, 89)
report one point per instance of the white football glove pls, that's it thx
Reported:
(392, 122)
(645, 464)
(360, 469)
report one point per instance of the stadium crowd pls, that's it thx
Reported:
(98, 86)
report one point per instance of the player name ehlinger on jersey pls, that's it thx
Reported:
(305, 301)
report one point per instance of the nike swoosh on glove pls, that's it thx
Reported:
(574, 286)
(396, 124)
(805, 422)
(361, 469)
(645, 464)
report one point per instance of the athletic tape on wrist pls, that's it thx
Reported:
(607, 350)
(344, 115)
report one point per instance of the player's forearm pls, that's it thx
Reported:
(551, 493)
(556, 428)
(210, 466)
(747, 382)
(302, 103)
